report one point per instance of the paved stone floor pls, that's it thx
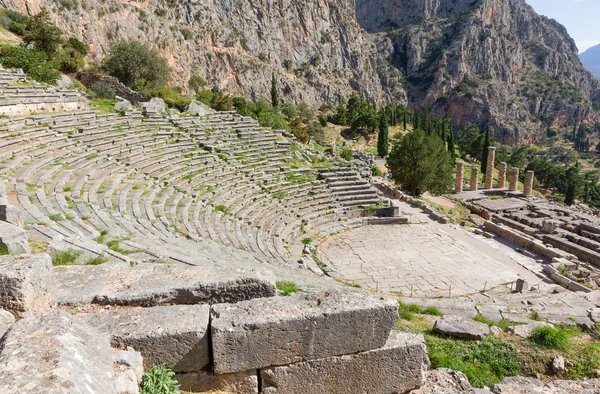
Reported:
(430, 257)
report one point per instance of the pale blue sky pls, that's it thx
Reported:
(580, 17)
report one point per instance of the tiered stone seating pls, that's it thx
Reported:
(349, 188)
(19, 97)
(170, 187)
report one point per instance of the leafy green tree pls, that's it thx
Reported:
(353, 109)
(383, 140)
(43, 33)
(341, 117)
(484, 150)
(196, 83)
(420, 163)
(573, 183)
(274, 93)
(299, 130)
(137, 65)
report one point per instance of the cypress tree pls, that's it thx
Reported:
(451, 147)
(404, 121)
(382, 142)
(415, 120)
(484, 150)
(274, 94)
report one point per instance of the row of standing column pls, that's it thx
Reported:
(489, 176)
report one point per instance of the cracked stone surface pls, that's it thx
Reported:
(429, 256)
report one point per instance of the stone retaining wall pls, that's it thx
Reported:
(88, 79)
(563, 280)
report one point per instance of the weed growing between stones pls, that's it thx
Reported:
(503, 324)
(100, 259)
(65, 257)
(407, 311)
(159, 380)
(287, 287)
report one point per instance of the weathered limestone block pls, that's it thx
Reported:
(489, 171)
(284, 330)
(26, 284)
(460, 175)
(460, 327)
(474, 179)
(502, 175)
(13, 238)
(523, 286)
(154, 105)
(176, 336)
(197, 108)
(123, 106)
(54, 354)
(158, 284)
(129, 359)
(202, 381)
(520, 384)
(7, 319)
(447, 381)
(10, 214)
(397, 367)
(514, 180)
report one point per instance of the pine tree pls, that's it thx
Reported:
(341, 117)
(274, 94)
(43, 33)
(484, 150)
(451, 146)
(383, 140)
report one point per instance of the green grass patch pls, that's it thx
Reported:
(307, 241)
(56, 217)
(104, 105)
(4, 250)
(503, 324)
(115, 246)
(222, 208)
(407, 311)
(550, 337)
(65, 257)
(287, 287)
(31, 187)
(484, 363)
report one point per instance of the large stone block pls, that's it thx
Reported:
(399, 366)
(284, 330)
(159, 284)
(26, 284)
(13, 238)
(460, 327)
(54, 354)
(176, 336)
(202, 381)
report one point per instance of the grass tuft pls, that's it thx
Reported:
(65, 257)
(100, 259)
(287, 287)
(407, 311)
(503, 324)
(550, 337)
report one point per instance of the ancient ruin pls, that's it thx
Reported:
(150, 237)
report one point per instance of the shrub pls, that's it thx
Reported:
(346, 154)
(34, 63)
(65, 257)
(375, 171)
(287, 287)
(69, 60)
(186, 33)
(137, 65)
(17, 22)
(222, 208)
(102, 90)
(550, 337)
(4, 250)
(307, 241)
(78, 46)
(159, 380)
(171, 97)
(196, 83)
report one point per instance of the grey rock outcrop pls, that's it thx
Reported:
(53, 354)
(525, 330)
(123, 106)
(26, 284)
(197, 108)
(460, 327)
(558, 364)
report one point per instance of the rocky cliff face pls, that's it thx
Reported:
(476, 61)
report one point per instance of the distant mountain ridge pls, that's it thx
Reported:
(482, 62)
(591, 60)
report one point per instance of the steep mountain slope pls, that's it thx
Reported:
(591, 60)
(477, 61)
